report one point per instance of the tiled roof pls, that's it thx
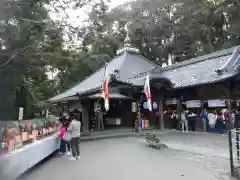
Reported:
(133, 69)
(128, 63)
(197, 71)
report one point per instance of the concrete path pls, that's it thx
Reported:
(199, 143)
(121, 159)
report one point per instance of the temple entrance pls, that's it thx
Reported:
(119, 114)
(159, 86)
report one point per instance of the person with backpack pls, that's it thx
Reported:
(204, 119)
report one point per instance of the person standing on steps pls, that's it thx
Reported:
(74, 129)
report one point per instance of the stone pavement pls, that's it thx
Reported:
(123, 154)
(210, 150)
(121, 159)
(199, 143)
(195, 142)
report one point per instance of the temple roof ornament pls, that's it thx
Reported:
(127, 44)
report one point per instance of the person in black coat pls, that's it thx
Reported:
(237, 118)
(192, 119)
(174, 118)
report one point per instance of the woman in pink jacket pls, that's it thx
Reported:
(64, 140)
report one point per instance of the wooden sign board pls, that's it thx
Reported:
(18, 142)
(11, 145)
(24, 136)
(34, 135)
(30, 137)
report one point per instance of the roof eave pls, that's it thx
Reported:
(58, 100)
(202, 84)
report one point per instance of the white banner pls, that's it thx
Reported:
(134, 107)
(193, 104)
(217, 103)
(20, 113)
(171, 101)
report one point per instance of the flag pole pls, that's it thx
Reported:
(98, 101)
(105, 92)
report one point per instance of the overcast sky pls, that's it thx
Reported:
(75, 17)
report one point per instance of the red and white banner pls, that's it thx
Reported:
(105, 93)
(147, 92)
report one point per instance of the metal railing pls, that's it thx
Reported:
(234, 151)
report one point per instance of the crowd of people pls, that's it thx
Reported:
(69, 135)
(212, 121)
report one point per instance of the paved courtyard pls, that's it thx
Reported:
(130, 158)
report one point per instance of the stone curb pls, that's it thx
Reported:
(95, 138)
(115, 136)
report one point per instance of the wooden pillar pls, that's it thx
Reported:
(179, 110)
(229, 106)
(138, 118)
(204, 129)
(85, 118)
(161, 114)
(98, 108)
(229, 89)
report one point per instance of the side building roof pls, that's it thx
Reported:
(201, 70)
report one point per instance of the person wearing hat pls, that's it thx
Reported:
(74, 130)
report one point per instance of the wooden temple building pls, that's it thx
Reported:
(189, 84)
